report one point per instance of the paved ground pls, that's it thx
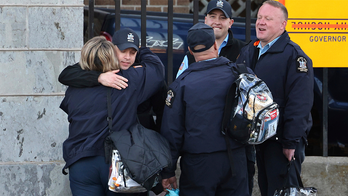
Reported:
(328, 174)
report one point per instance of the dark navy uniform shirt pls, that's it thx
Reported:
(194, 109)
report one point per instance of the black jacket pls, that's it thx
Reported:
(144, 152)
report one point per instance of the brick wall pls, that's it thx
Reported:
(179, 6)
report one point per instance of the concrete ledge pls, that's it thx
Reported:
(328, 174)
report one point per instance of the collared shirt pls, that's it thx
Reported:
(267, 46)
(184, 64)
(210, 59)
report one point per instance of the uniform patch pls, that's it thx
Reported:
(137, 66)
(181, 66)
(170, 98)
(302, 65)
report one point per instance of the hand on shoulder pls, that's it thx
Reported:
(113, 80)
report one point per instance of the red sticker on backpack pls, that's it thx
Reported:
(273, 114)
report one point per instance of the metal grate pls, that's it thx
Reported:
(238, 7)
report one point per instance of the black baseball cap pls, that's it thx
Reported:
(222, 5)
(126, 38)
(200, 34)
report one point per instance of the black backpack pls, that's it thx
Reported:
(250, 115)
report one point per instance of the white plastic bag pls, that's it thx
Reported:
(296, 191)
(119, 180)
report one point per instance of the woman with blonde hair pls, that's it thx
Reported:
(83, 150)
(98, 54)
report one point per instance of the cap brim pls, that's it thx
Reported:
(217, 8)
(127, 45)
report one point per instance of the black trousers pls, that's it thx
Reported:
(272, 166)
(210, 174)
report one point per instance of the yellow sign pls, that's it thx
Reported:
(320, 27)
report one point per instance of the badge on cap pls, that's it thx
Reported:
(219, 4)
(170, 98)
(130, 37)
(302, 65)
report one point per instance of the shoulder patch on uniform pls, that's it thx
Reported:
(137, 66)
(170, 98)
(181, 66)
(301, 65)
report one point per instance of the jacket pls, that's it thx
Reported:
(74, 76)
(288, 72)
(87, 108)
(144, 152)
(192, 118)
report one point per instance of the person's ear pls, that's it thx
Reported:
(284, 25)
(190, 50)
(231, 22)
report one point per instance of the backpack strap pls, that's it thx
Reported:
(109, 118)
(230, 101)
(239, 69)
(107, 143)
(229, 151)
